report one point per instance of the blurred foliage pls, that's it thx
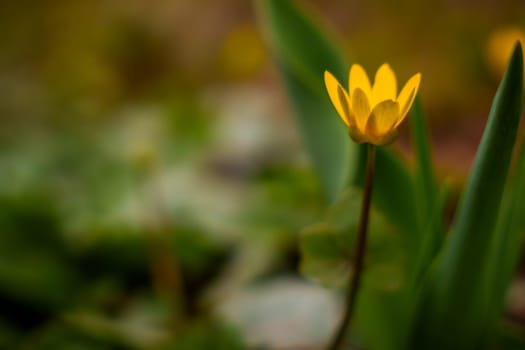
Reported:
(327, 247)
(113, 238)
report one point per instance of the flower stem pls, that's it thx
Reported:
(362, 230)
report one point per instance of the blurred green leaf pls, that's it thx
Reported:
(510, 337)
(35, 270)
(383, 318)
(323, 256)
(508, 242)
(427, 197)
(60, 335)
(425, 179)
(432, 239)
(8, 334)
(430, 203)
(394, 195)
(138, 326)
(327, 247)
(303, 54)
(459, 295)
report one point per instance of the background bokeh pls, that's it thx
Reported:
(153, 181)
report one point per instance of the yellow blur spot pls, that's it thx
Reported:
(242, 54)
(499, 48)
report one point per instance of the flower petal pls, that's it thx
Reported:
(407, 96)
(385, 85)
(360, 107)
(357, 135)
(358, 78)
(345, 100)
(382, 120)
(338, 96)
(386, 139)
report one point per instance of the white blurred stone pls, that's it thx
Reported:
(286, 313)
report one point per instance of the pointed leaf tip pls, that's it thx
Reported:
(518, 45)
(458, 303)
(517, 58)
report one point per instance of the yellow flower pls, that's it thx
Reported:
(372, 113)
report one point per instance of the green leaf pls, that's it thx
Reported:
(35, 265)
(432, 240)
(425, 180)
(394, 195)
(510, 337)
(303, 54)
(429, 203)
(386, 316)
(508, 241)
(327, 248)
(323, 256)
(454, 314)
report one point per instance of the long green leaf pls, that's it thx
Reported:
(457, 304)
(303, 54)
(429, 202)
(386, 317)
(394, 196)
(425, 179)
(508, 241)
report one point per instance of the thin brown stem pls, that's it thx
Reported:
(166, 273)
(362, 229)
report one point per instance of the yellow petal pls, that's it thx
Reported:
(382, 120)
(360, 107)
(386, 139)
(357, 135)
(407, 96)
(385, 85)
(344, 100)
(338, 96)
(358, 78)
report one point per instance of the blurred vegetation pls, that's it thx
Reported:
(152, 179)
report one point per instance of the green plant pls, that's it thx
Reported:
(450, 292)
